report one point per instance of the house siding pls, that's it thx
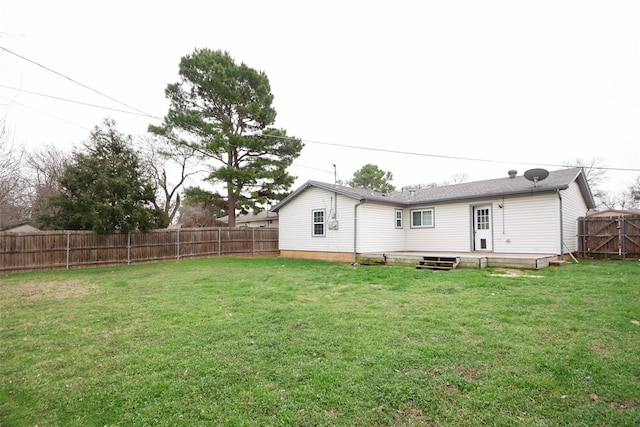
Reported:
(376, 228)
(527, 224)
(450, 232)
(573, 207)
(296, 235)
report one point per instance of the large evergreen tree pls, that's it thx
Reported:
(224, 111)
(105, 188)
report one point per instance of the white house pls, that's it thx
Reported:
(23, 227)
(264, 219)
(511, 215)
(614, 213)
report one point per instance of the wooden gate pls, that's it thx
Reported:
(609, 237)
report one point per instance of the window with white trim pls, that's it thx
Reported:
(422, 218)
(318, 223)
(398, 218)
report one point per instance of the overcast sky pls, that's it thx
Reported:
(467, 86)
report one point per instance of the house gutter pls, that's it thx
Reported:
(355, 230)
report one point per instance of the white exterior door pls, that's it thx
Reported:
(482, 228)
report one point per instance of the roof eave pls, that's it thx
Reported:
(487, 195)
(322, 185)
(579, 178)
(586, 190)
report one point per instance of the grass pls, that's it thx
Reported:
(274, 342)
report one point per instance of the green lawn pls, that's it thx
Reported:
(277, 342)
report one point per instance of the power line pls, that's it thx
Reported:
(312, 168)
(440, 156)
(73, 101)
(78, 83)
(13, 101)
(384, 150)
(474, 159)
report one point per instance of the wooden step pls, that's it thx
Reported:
(438, 263)
(433, 267)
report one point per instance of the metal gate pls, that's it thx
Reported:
(609, 237)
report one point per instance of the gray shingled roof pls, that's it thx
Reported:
(557, 180)
(251, 217)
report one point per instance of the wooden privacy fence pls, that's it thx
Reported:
(609, 237)
(68, 249)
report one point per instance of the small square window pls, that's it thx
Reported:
(398, 218)
(318, 223)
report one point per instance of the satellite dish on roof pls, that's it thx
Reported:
(536, 175)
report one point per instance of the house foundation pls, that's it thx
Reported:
(466, 259)
(322, 256)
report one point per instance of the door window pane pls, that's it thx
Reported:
(482, 219)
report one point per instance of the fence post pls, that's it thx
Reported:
(582, 233)
(68, 249)
(177, 243)
(622, 236)
(585, 236)
(253, 240)
(219, 240)
(128, 248)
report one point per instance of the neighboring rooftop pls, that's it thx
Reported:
(615, 212)
(23, 227)
(251, 217)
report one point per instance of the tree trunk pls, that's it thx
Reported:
(231, 206)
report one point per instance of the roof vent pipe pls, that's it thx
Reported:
(513, 173)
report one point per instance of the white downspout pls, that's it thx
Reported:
(355, 231)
